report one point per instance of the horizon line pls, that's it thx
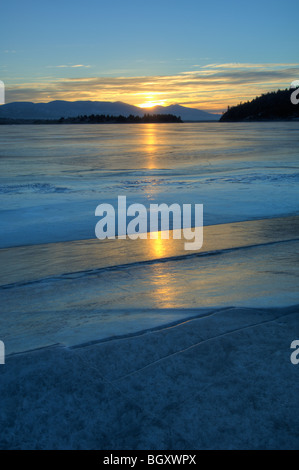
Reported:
(118, 101)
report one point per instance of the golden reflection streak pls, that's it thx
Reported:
(157, 247)
(150, 142)
(164, 291)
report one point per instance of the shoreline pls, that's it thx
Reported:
(104, 303)
(205, 314)
(112, 254)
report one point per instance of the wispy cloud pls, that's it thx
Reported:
(211, 87)
(236, 65)
(69, 66)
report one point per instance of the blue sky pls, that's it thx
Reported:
(47, 45)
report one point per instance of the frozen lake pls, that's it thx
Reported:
(53, 177)
(61, 285)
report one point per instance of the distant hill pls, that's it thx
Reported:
(65, 109)
(58, 109)
(273, 106)
(187, 114)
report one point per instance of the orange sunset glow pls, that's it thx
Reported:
(210, 88)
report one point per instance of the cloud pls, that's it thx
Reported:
(236, 65)
(212, 87)
(69, 66)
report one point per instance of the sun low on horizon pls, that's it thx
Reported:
(151, 103)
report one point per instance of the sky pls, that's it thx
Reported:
(201, 54)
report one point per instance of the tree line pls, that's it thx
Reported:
(275, 105)
(103, 118)
(98, 119)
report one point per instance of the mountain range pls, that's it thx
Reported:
(58, 109)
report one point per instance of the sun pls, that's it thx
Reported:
(151, 104)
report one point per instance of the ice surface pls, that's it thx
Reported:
(222, 381)
(96, 305)
(52, 179)
(147, 348)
